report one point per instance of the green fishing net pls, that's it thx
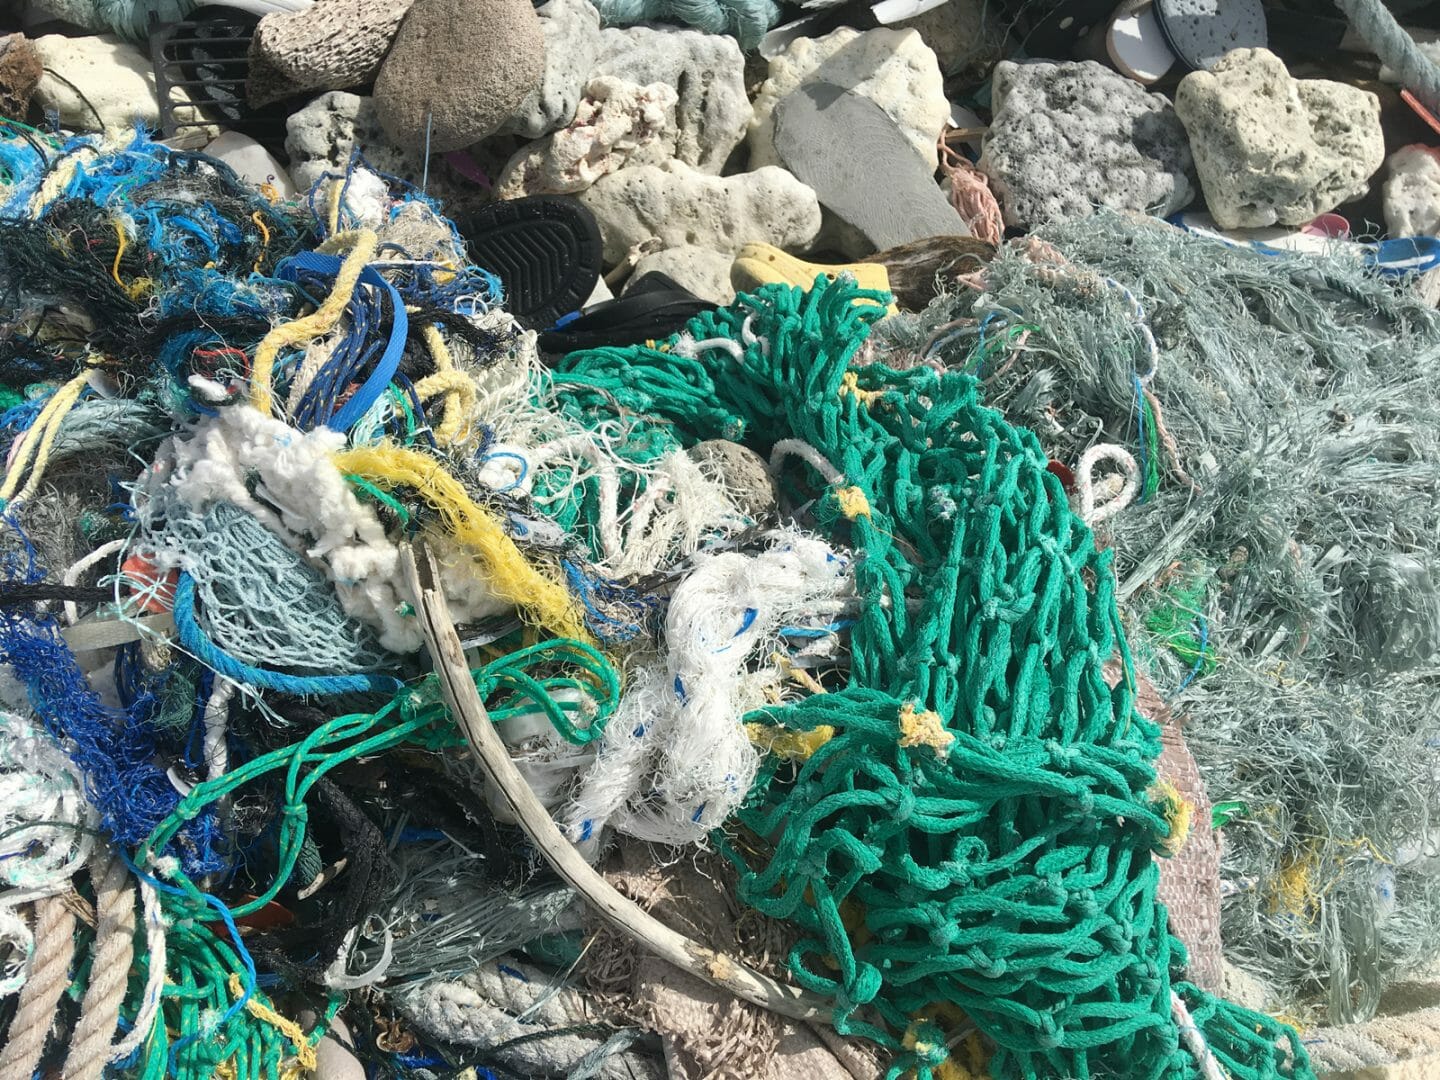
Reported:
(1278, 567)
(977, 830)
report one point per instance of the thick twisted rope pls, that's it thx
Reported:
(114, 949)
(40, 996)
(1416, 72)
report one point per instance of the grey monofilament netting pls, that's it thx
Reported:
(258, 600)
(1281, 572)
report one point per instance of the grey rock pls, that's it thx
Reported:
(893, 68)
(708, 73)
(103, 83)
(331, 45)
(616, 124)
(321, 137)
(333, 1058)
(704, 272)
(572, 44)
(743, 473)
(967, 36)
(1067, 138)
(888, 193)
(456, 72)
(251, 162)
(680, 206)
(1272, 149)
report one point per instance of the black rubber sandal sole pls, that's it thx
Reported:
(545, 249)
(652, 309)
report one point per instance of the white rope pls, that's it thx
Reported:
(1194, 1040)
(77, 568)
(1085, 482)
(675, 759)
(807, 453)
(217, 712)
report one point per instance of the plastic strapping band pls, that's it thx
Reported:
(370, 390)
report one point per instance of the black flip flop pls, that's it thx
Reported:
(653, 308)
(545, 249)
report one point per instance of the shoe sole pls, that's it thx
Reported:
(545, 250)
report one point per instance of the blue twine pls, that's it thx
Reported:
(252, 977)
(383, 370)
(198, 644)
(605, 627)
(1140, 424)
(1203, 629)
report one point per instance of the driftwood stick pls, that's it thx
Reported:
(465, 705)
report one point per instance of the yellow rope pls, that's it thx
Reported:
(337, 192)
(321, 321)
(39, 439)
(506, 571)
(453, 384)
(304, 1052)
(58, 179)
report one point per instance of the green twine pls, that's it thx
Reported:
(1173, 621)
(543, 678)
(978, 830)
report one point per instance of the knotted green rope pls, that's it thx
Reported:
(978, 830)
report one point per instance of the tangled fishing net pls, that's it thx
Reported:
(892, 680)
(1278, 422)
(973, 826)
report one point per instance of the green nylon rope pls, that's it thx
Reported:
(1003, 865)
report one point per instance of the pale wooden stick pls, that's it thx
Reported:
(469, 712)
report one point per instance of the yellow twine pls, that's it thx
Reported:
(311, 326)
(304, 1052)
(265, 237)
(40, 438)
(923, 728)
(447, 380)
(850, 384)
(975, 1065)
(791, 745)
(1294, 890)
(853, 503)
(139, 285)
(1178, 813)
(507, 572)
